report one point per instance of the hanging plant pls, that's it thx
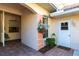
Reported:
(41, 28)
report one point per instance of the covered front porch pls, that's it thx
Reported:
(28, 30)
(16, 24)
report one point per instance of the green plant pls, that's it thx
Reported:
(41, 28)
(50, 42)
(6, 36)
(53, 33)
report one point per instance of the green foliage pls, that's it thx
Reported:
(53, 34)
(39, 29)
(50, 42)
(6, 36)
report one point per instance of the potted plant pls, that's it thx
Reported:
(53, 35)
(51, 41)
(41, 28)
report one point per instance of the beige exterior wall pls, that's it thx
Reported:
(74, 30)
(53, 25)
(29, 30)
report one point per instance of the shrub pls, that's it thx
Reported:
(50, 42)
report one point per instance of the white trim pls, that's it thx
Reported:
(53, 5)
(60, 13)
(3, 32)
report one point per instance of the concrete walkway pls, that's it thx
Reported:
(59, 52)
(16, 48)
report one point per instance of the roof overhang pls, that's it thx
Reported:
(28, 7)
(49, 7)
(65, 13)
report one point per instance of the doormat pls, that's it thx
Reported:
(65, 48)
(45, 49)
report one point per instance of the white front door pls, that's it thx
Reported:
(64, 33)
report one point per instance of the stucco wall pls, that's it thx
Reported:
(29, 29)
(75, 32)
(53, 25)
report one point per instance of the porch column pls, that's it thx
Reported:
(3, 31)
